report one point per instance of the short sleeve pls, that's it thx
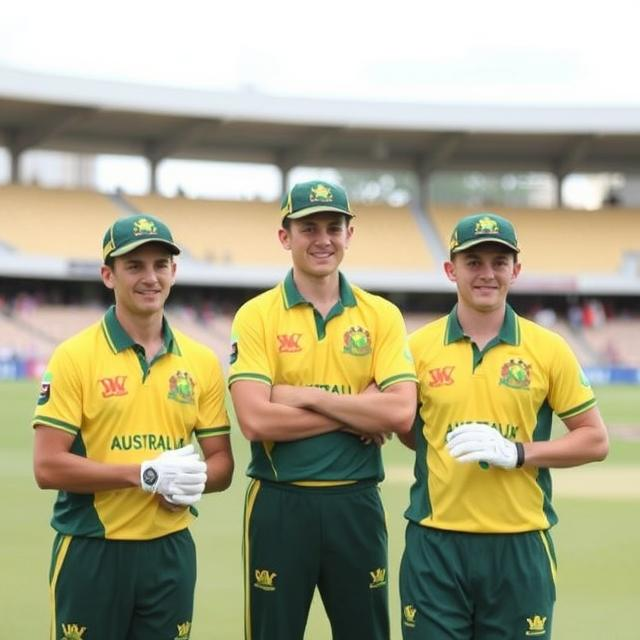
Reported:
(249, 358)
(59, 403)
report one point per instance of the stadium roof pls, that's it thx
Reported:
(91, 116)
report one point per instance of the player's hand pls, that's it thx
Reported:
(186, 489)
(168, 505)
(157, 475)
(477, 442)
(369, 438)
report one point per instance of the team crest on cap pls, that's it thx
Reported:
(144, 227)
(357, 342)
(515, 374)
(487, 225)
(181, 386)
(320, 193)
(453, 243)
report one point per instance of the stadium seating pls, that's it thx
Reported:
(55, 222)
(562, 241)
(245, 233)
(616, 341)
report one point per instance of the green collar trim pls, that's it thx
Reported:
(119, 340)
(292, 297)
(509, 331)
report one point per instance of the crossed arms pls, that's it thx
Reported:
(284, 412)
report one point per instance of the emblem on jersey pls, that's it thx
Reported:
(144, 227)
(515, 374)
(113, 386)
(357, 342)
(487, 225)
(73, 632)
(378, 578)
(320, 193)
(442, 376)
(536, 626)
(181, 386)
(184, 631)
(289, 343)
(45, 388)
(409, 615)
(264, 580)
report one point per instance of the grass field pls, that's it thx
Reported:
(597, 540)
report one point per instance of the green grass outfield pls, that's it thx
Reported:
(597, 540)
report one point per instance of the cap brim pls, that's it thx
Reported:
(303, 213)
(473, 243)
(128, 248)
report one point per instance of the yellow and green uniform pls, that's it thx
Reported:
(479, 560)
(121, 409)
(279, 338)
(514, 384)
(313, 514)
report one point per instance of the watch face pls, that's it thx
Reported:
(150, 476)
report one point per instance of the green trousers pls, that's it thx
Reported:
(299, 538)
(122, 589)
(476, 586)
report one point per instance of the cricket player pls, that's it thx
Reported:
(118, 408)
(479, 562)
(320, 372)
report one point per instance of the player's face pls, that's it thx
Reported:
(483, 276)
(317, 243)
(141, 280)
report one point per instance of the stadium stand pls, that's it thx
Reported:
(67, 222)
(54, 222)
(563, 241)
(616, 342)
(245, 233)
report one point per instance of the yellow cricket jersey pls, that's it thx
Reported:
(514, 384)
(279, 338)
(100, 389)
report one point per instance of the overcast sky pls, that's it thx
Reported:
(492, 51)
(551, 52)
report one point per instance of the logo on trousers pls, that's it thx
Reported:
(378, 578)
(409, 615)
(264, 580)
(73, 632)
(536, 626)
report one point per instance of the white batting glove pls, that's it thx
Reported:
(187, 488)
(477, 442)
(157, 475)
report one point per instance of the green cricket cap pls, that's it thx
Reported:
(315, 196)
(127, 234)
(483, 227)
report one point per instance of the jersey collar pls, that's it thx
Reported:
(509, 332)
(119, 340)
(292, 297)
